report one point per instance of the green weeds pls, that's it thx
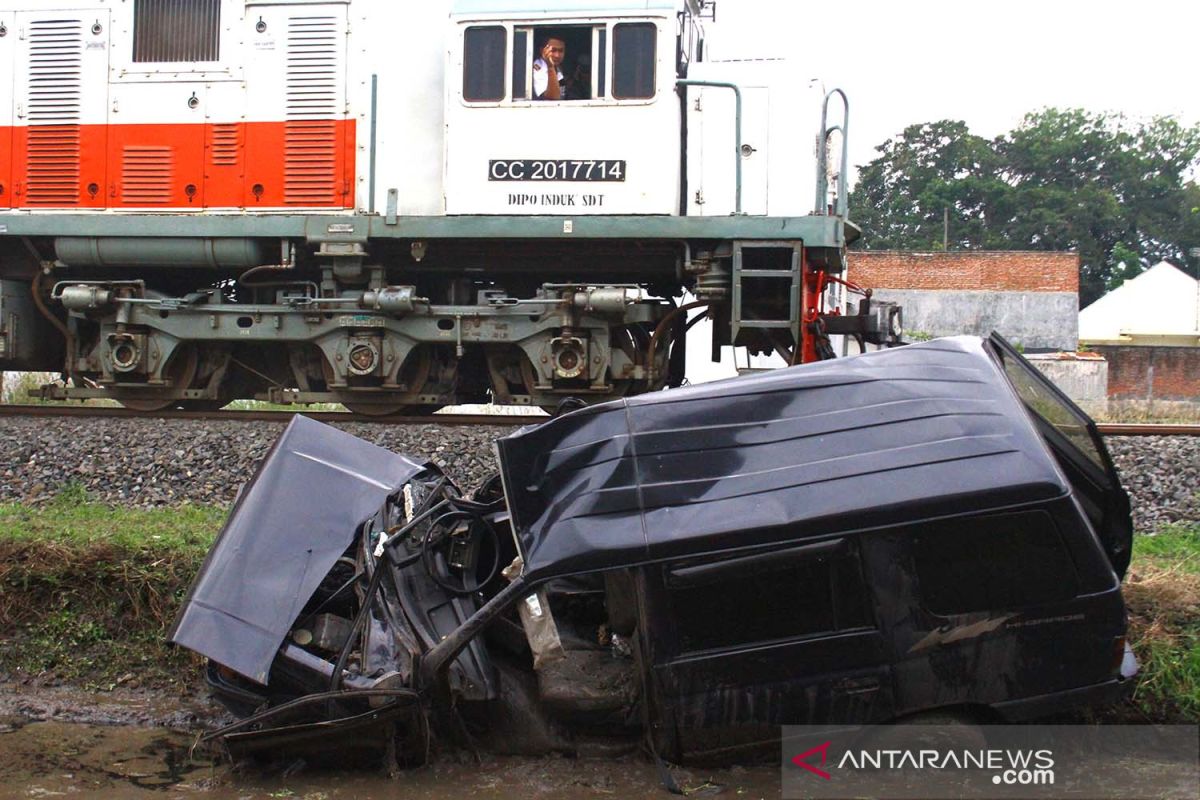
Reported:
(73, 519)
(1162, 591)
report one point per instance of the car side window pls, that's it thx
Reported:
(992, 563)
(767, 597)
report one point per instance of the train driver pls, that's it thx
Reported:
(547, 70)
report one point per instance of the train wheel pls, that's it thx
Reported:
(529, 378)
(146, 403)
(414, 375)
(180, 371)
(376, 409)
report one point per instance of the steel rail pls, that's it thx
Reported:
(1147, 429)
(507, 420)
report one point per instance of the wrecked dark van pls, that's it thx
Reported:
(929, 529)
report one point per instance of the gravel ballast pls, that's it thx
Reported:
(159, 462)
(1162, 476)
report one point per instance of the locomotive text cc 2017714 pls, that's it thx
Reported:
(369, 203)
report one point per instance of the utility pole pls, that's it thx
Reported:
(945, 228)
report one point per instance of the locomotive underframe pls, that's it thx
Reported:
(388, 314)
(364, 353)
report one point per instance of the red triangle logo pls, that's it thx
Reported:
(800, 760)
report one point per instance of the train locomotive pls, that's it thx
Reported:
(377, 204)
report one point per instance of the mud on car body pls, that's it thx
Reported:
(931, 528)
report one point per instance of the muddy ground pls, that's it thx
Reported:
(124, 743)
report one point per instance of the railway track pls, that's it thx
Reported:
(1147, 429)
(16, 410)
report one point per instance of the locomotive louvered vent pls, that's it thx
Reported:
(53, 109)
(310, 130)
(176, 30)
(226, 138)
(147, 174)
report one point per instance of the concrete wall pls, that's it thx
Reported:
(1031, 298)
(1083, 379)
(1137, 372)
(1035, 320)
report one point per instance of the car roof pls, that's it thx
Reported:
(878, 439)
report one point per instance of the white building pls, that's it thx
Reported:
(1159, 307)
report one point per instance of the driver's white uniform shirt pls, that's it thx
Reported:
(541, 79)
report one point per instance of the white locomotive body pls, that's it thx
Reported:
(368, 202)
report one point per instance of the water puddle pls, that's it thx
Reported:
(48, 759)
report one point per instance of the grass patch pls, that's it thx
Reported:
(1162, 591)
(88, 591)
(1175, 548)
(72, 519)
(1151, 411)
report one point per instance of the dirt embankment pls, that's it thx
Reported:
(93, 615)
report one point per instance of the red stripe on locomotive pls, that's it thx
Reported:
(299, 163)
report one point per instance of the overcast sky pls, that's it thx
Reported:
(988, 64)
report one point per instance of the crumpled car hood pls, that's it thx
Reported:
(289, 525)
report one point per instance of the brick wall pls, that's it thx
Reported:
(1141, 372)
(997, 271)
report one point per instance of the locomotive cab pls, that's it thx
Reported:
(609, 144)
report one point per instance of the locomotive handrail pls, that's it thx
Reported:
(374, 131)
(823, 156)
(737, 122)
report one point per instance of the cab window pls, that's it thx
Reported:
(575, 46)
(484, 54)
(633, 60)
(596, 61)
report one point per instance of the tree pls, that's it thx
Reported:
(901, 196)
(1115, 190)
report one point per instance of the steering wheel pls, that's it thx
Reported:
(479, 531)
